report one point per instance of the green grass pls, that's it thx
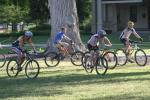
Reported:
(67, 82)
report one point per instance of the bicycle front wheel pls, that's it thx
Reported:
(111, 59)
(52, 59)
(76, 58)
(2, 60)
(32, 69)
(140, 57)
(101, 66)
(88, 64)
(12, 67)
(121, 57)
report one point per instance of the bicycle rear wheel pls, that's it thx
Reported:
(76, 58)
(2, 60)
(52, 59)
(101, 66)
(32, 69)
(121, 57)
(12, 68)
(111, 59)
(140, 57)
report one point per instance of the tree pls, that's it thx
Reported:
(64, 14)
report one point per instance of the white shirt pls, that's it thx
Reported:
(127, 32)
(93, 40)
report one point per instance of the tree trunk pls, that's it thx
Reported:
(64, 14)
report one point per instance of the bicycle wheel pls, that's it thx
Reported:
(52, 59)
(88, 64)
(2, 60)
(76, 58)
(101, 66)
(140, 57)
(111, 59)
(121, 57)
(84, 57)
(12, 68)
(32, 69)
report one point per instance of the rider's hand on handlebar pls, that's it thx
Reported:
(141, 39)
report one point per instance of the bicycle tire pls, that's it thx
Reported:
(101, 66)
(111, 60)
(121, 57)
(76, 58)
(83, 58)
(2, 60)
(52, 59)
(12, 67)
(88, 65)
(140, 51)
(32, 69)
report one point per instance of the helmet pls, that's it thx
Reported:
(28, 33)
(130, 24)
(101, 33)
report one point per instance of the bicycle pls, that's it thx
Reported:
(108, 55)
(53, 58)
(92, 60)
(31, 67)
(2, 58)
(136, 52)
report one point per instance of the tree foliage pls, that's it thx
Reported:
(84, 13)
(39, 10)
(13, 10)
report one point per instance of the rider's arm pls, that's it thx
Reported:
(31, 44)
(66, 38)
(107, 42)
(136, 35)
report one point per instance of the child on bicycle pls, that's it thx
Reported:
(17, 46)
(98, 40)
(124, 38)
(61, 46)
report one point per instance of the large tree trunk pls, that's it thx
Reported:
(64, 14)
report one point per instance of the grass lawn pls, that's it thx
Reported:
(68, 82)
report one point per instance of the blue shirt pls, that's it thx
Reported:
(58, 37)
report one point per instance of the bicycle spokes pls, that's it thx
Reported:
(12, 68)
(32, 69)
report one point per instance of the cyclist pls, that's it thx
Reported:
(124, 38)
(98, 40)
(18, 45)
(61, 46)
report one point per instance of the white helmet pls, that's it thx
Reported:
(101, 33)
(28, 33)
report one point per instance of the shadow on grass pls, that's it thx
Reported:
(53, 85)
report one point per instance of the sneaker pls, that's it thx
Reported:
(19, 68)
(131, 60)
(62, 57)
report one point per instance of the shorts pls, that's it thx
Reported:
(90, 47)
(17, 50)
(123, 40)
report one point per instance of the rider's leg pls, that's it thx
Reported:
(20, 55)
(128, 51)
(61, 49)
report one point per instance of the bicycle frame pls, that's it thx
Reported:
(134, 47)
